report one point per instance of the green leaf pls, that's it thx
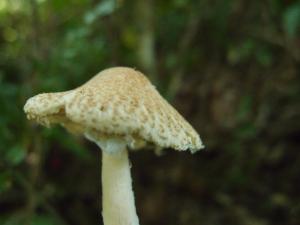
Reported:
(14, 220)
(19, 219)
(291, 19)
(245, 108)
(247, 131)
(5, 181)
(43, 220)
(264, 57)
(104, 8)
(15, 155)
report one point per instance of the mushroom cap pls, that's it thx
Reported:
(117, 102)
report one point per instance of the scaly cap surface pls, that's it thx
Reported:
(117, 102)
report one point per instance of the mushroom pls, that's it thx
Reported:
(117, 109)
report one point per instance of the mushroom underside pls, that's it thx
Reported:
(133, 140)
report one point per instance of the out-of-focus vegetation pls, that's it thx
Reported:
(231, 67)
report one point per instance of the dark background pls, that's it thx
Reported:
(231, 68)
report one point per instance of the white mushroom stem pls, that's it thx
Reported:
(117, 195)
(118, 198)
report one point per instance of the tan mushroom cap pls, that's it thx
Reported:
(117, 102)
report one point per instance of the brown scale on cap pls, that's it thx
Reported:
(117, 102)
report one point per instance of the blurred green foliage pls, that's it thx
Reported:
(230, 67)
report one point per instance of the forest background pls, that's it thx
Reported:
(231, 67)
